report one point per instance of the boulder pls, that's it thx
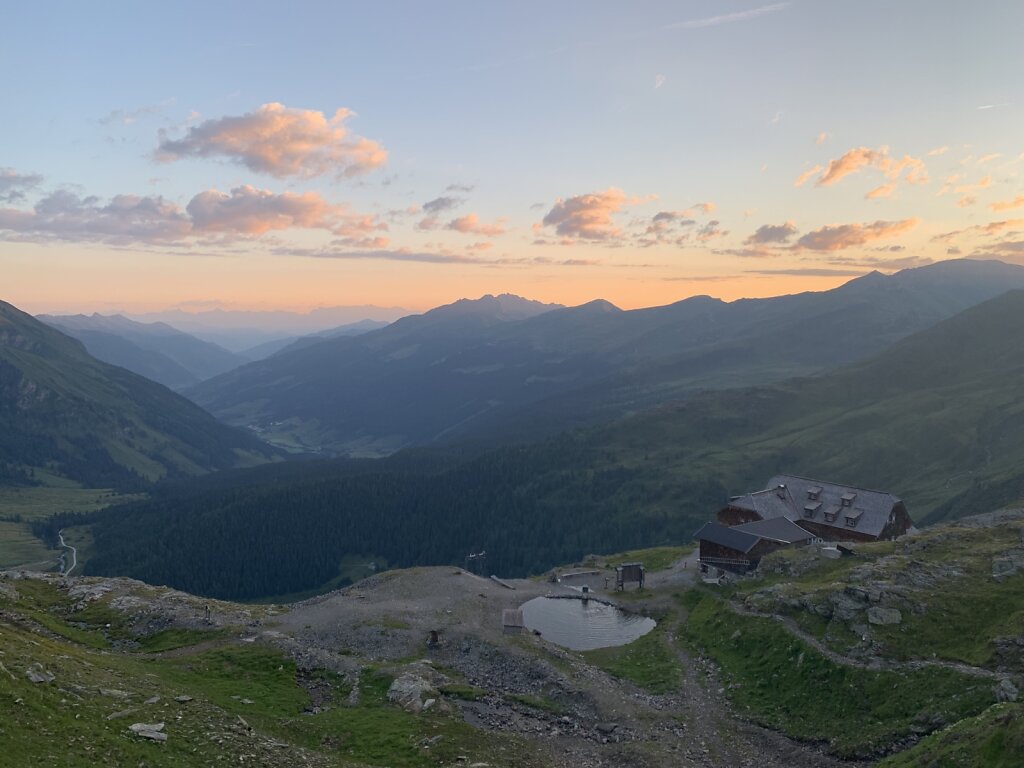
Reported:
(884, 616)
(1006, 691)
(410, 691)
(845, 607)
(37, 674)
(151, 731)
(1008, 564)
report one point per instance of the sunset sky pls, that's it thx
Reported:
(272, 155)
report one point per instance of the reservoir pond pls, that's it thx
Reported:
(583, 625)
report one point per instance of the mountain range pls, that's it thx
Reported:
(241, 330)
(937, 419)
(65, 414)
(269, 348)
(480, 371)
(154, 350)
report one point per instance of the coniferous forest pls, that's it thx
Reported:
(284, 536)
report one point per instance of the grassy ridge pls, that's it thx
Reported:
(963, 612)
(248, 702)
(993, 739)
(782, 683)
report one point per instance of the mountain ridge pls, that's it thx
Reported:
(64, 412)
(438, 377)
(157, 351)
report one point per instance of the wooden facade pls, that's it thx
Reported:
(728, 559)
(899, 523)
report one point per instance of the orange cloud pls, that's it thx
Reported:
(807, 175)
(471, 225)
(984, 183)
(885, 190)
(588, 217)
(1008, 205)
(842, 236)
(248, 211)
(281, 141)
(992, 228)
(859, 158)
(244, 212)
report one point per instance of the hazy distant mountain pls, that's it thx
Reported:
(482, 370)
(265, 350)
(65, 413)
(154, 350)
(238, 330)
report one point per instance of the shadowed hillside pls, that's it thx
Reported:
(64, 413)
(477, 371)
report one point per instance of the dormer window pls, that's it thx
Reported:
(814, 493)
(852, 517)
(811, 509)
(847, 499)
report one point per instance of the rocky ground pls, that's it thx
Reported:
(591, 718)
(572, 712)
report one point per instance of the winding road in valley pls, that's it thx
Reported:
(74, 553)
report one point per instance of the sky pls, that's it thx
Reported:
(253, 155)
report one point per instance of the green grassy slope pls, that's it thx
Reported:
(249, 703)
(952, 606)
(938, 419)
(64, 412)
(782, 682)
(993, 739)
(900, 679)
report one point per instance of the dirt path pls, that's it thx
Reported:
(873, 663)
(717, 737)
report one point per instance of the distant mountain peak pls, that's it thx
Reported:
(598, 305)
(504, 306)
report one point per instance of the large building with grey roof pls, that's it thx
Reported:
(795, 511)
(832, 511)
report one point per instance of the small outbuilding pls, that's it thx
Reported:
(630, 573)
(740, 548)
(512, 621)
